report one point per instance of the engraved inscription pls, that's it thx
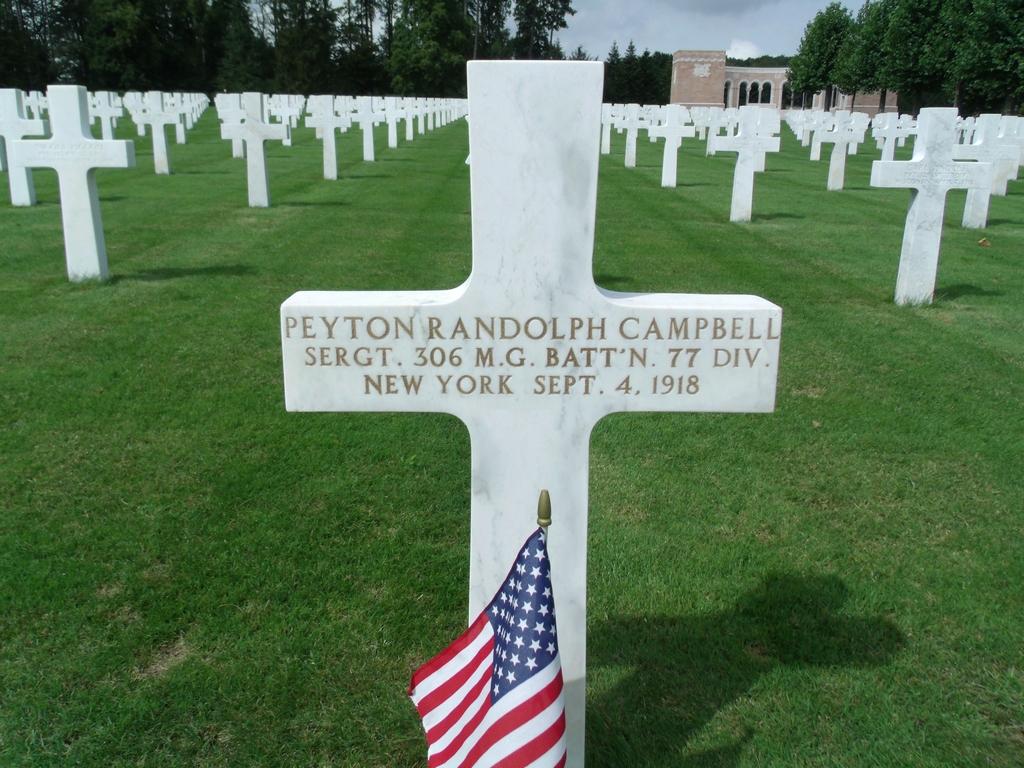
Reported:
(954, 175)
(655, 355)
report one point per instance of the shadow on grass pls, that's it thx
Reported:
(1000, 222)
(173, 273)
(203, 173)
(307, 204)
(954, 292)
(685, 669)
(780, 215)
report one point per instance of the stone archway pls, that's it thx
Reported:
(766, 93)
(754, 93)
(742, 101)
(726, 97)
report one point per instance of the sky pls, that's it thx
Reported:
(743, 28)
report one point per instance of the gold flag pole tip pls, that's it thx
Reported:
(544, 510)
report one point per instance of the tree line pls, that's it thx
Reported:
(963, 53)
(637, 79)
(406, 47)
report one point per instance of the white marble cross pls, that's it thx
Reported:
(673, 130)
(255, 133)
(229, 110)
(747, 144)
(630, 121)
(392, 114)
(106, 110)
(35, 103)
(157, 114)
(886, 128)
(844, 132)
(327, 120)
(408, 111)
(367, 118)
(929, 176)
(985, 147)
(75, 155)
(529, 353)
(13, 126)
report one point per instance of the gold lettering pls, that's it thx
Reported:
(444, 384)
(737, 321)
(554, 329)
(289, 323)
(701, 325)
(460, 327)
(751, 334)
(311, 353)
(640, 357)
(352, 322)
(575, 324)
(719, 330)
(399, 325)
(591, 327)
(485, 357)
(543, 329)
(330, 326)
(653, 329)
(519, 362)
(434, 328)
(307, 326)
(339, 356)
(382, 334)
(488, 329)
(325, 355)
(356, 357)
(675, 328)
(504, 334)
(622, 328)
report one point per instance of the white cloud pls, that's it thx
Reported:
(742, 49)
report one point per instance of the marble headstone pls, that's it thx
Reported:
(929, 176)
(75, 155)
(255, 133)
(529, 353)
(13, 126)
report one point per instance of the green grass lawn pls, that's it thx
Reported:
(190, 575)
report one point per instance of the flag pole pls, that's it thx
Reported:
(544, 510)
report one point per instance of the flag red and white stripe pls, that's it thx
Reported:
(493, 698)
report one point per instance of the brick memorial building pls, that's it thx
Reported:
(703, 79)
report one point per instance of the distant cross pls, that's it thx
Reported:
(716, 121)
(747, 143)
(174, 103)
(106, 110)
(673, 130)
(229, 110)
(1009, 133)
(986, 148)
(885, 130)
(929, 176)
(392, 114)
(843, 133)
(408, 112)
(14, 126)
(158, 114)
(327, 121)
(529, 353)
(819, 124)
(35, 103)
(255, 133)
(632, 123)
(75, 155)
(367, 118)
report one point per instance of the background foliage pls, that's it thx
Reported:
(964, 53)
(408, 47)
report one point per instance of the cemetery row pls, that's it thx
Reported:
(978, 154)
(248, 121)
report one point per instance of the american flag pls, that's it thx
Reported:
(493, 698)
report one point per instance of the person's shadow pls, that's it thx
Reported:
(684, 669)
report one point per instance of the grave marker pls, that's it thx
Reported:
(255, 133)
(673, 130)
(529, 353)
(929, 176)
(106, 110)
(326, 121)
(14, 126)
(747, 144)
(75, 155)
(157, 114)
(367, 118)
(986, 148)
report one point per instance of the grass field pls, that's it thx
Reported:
(191, 576)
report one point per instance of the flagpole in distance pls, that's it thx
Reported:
(544, 511)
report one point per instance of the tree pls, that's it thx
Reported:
(860, 63)
(987, 66)
(917, 50)
(613, 76)
(24, 60)
(536, 24)
(432, 42)
(580, 54)
(813, 68)
(491, 36)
